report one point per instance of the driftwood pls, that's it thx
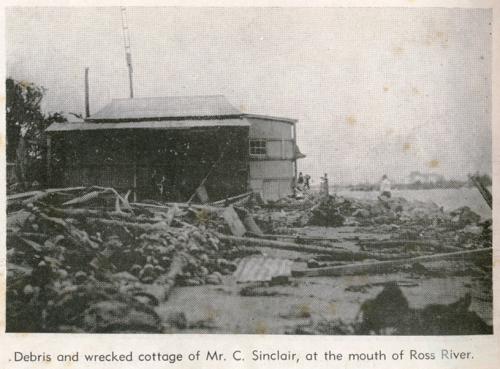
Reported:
(180, 205)
(233, 221)
(299, 237)
(423, 244)
(84, 213)
(483, 190)
(167, 282)
(227, 200)
(78, 236)
(145, 227)
(98, 191)
(26, 198)
(381, 266)
(251, 226)
(24, 195)
(171, 215)
(338, 253)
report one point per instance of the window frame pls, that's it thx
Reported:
(257, 147)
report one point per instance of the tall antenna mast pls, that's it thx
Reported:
(128, 53)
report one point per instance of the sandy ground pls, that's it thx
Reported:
(221, 309)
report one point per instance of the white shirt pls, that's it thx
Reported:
(385, 185)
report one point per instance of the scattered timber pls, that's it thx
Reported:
(229, 200)
(382, 266)
(339, 254)
(421, 244)
(233, 221)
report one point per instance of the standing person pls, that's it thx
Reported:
(324, 189)
(385, 187)
(300, 180)
(307, 180)
(164, 188)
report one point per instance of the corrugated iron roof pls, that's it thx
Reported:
(255, 269)
(271, 117)
(165, 124)
(165, 107)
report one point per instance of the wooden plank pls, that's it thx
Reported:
(421, 244)
(251, 226)
(231, 199)
(300, 237)
(24, 195)
(338, 253)
(233, 221)
(181, 205)
(381, 266)
(485, 193)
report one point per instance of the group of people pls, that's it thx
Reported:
(303, 182)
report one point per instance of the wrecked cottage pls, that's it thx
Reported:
(191, 144)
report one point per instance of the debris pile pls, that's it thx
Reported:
(89, 260)
(406, 220)
(89, 268)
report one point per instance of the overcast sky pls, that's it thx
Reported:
(375, 90)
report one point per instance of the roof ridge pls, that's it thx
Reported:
(165, 97)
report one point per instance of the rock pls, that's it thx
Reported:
(214, 278)
(361, 213)
(116, 316)
(312, 263)
(80, 277)
(190, 282)
(28, 289)
(177, 320)
(135, 269)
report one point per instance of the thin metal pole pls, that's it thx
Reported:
(87, 105)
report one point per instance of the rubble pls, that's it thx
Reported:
(100, 270)
(88, 260)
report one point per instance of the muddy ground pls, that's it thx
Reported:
(303, 302)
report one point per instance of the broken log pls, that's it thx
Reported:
(167, 281)
(171, 215)
(234, 222)
(180, 205)
(84, 213)
(340, 254)
(299, 237)
(144, 227)
(24, 195)
(423, 244)
(78, 236)
(251, 226)
(223, 202)
(381, 266)
(483, 190)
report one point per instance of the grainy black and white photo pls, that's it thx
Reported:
(245, 170)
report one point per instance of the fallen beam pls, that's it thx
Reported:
(483, 190)
(423, 244)
(300, 237)
(230, 199)
(381, 266)
(24, 195)
(180, 205)
(338, 253)
(167, 281)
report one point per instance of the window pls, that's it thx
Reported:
(258, 148)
